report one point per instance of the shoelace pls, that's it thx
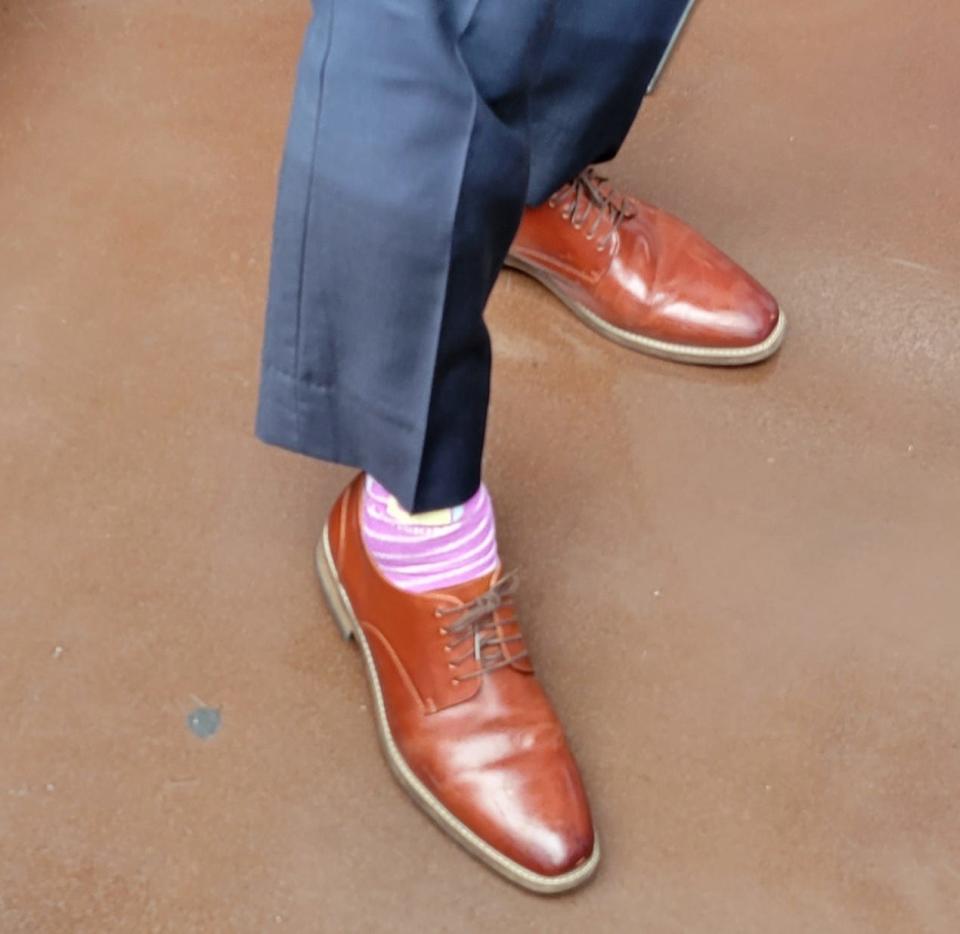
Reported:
(476, 624)
(593, 194)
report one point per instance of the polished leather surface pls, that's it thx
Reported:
(648, 273)
(488, 745)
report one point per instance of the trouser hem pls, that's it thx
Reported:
(336, 426)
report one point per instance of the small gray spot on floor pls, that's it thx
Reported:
(204, 721)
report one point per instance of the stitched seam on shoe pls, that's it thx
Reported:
(405, 676)
(552, 266)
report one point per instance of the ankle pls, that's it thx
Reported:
(433, 550)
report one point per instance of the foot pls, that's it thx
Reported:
(644, 279)
(464, 724)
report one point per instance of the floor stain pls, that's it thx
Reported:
(204, 721)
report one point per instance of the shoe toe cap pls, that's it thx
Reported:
(707, 297)
(535, 813)
(743, 316)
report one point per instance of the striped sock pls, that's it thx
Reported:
(429, 550)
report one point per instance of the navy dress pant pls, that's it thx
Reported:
(420, 129)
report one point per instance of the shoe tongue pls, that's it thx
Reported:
(470, 590)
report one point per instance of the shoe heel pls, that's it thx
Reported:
(330, 586)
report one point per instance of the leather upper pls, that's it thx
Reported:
(645, 272)
(487, 744)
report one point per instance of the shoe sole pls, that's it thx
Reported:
(343, 615)
(681, 353)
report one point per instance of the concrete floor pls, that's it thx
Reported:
(746, 610)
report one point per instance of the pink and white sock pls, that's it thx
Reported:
(429, 550)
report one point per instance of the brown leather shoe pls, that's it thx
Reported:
(645, 279)
(464, 724)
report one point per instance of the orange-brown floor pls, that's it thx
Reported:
(747, 608)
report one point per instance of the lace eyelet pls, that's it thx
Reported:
(454, 681)
(442, 630)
